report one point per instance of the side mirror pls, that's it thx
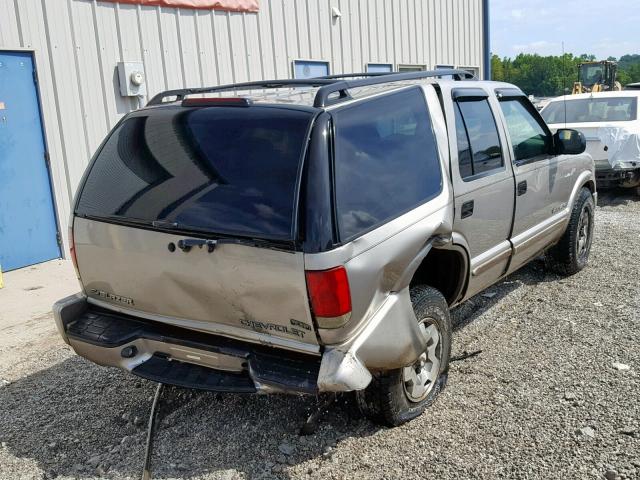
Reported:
(567, 141)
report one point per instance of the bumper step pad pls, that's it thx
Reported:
(105, 330)
(163, 370)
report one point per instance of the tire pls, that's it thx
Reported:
(393, 398)
(571, 253)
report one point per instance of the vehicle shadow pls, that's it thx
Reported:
(532, 273)
(613, 197)
(79, 420)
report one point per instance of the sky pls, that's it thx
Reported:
(601, 27)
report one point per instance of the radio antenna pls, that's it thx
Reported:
(564, 85)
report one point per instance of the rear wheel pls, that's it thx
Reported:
(571, 253)
(397, 396)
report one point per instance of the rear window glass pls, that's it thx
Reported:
(228, 170)
(386, 161)
(586, 110)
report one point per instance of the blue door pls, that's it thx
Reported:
(27, 218)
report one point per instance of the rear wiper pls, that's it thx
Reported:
(138, 221)
(187, 243)
(117, 218)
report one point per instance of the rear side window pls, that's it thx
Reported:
(464, 149)
(228, 170)
(479, 148)
(386, 161)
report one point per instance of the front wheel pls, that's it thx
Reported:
(397, 396)
(571, 253)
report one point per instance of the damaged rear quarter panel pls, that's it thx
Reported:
(378, 260)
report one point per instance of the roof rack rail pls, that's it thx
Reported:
(355, 75)
(329, 85)
(295, 82)
(324, 95)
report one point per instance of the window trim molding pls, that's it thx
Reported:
(468, 68)
(468, 94)
(389, 64)
(317, 61)
(421, 67)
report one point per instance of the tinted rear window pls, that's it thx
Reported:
(386, 161)
(228, 170)
(587, 110)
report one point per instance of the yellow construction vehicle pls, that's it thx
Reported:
(597, 77)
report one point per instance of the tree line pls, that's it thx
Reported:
(551, 75)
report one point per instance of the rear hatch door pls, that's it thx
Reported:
(187, 216)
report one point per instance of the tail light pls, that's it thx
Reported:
(330, 296)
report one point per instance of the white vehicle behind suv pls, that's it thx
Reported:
(611, 125)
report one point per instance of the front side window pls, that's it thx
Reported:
(479, 148)
(386, 161)
(528, 137)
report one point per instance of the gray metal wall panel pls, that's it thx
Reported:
(153, 55)
(78, 43)
(9, 33)
(189, 47)
(206, 46)
(65, 75)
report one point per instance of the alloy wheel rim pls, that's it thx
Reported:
(420, 378)
(582, 239)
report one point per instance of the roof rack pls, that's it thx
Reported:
(341, 87)
(329, 85)
(295, 82)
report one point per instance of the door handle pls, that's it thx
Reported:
(467, 209)
(522, 187)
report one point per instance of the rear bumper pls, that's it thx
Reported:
(179, 356)
(617, 177)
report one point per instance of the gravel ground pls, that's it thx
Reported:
(550, 396)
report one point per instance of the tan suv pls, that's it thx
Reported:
(311, 235)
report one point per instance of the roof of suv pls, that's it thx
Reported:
(322, 92)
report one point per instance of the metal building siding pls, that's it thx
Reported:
(78, 43)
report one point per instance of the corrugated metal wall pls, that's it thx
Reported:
(78, 43)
